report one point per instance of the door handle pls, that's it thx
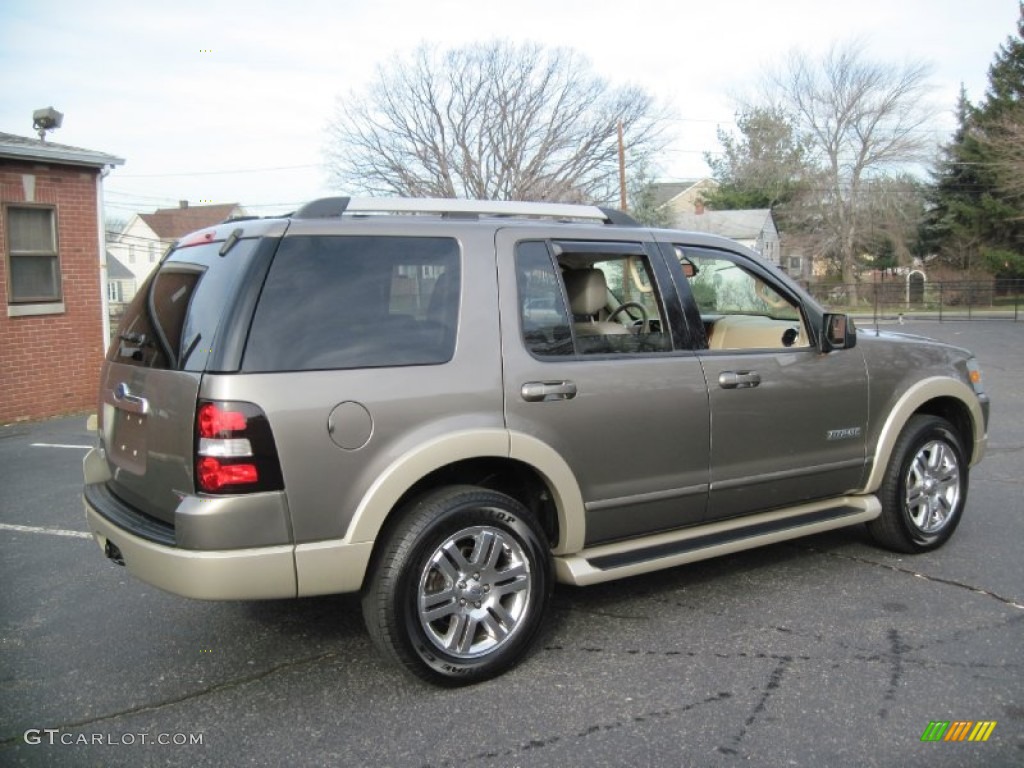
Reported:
(540, 391)
(738, 379)
(126, 401)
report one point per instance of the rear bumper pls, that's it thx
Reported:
(170, 557)
(237, 574)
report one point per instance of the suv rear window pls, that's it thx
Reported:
(173, 319)
(356, 302)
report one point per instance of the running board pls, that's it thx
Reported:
(665, 550)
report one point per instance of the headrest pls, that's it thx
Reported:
(587, 289)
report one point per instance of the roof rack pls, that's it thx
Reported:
(330, 207)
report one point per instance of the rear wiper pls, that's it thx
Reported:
(190, 349)
(233, 238)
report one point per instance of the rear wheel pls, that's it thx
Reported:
(460, 587)
(924, 488)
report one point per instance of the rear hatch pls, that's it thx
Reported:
(188, 317)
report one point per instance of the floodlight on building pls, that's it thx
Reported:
(46, 119)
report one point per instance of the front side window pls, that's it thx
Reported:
(33, 261)
(332, 302)
(580, 298)
(740, 309)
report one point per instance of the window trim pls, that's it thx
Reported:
(35, 305)
(752, 269)
(557, 247)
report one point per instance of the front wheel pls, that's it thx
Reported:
(460, 587)
(924, 488)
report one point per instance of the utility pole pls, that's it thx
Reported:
(622, 172)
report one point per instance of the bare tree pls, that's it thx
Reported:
(859, 119)
(492, 121)
(893, 211)
(1004, 142)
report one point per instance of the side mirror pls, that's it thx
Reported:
(690, 269)
(837, 332)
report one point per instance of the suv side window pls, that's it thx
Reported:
(582, 298)
(739, 309)
(333, 302)
(542, 312)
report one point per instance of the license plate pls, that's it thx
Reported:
(127, 448)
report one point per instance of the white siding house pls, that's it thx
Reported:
(147, 236)
(754, 228)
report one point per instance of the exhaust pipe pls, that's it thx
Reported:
(113, 553)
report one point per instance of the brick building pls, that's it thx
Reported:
(52, 277)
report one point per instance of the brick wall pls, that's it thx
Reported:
(49, 364)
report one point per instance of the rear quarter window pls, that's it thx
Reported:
(334, 302)
(173, 320)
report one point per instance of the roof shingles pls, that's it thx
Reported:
(172, 223)
(15, 147)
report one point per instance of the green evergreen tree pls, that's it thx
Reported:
(977, 201)
(955, 225)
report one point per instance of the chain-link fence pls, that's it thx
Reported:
(925, 300)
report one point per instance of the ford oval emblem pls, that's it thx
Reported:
(121, 391)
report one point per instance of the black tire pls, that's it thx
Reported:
(460, 587)
(924, 488)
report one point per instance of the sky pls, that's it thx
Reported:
(225, 101)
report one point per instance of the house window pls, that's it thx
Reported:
(33, 263)
(152, 253)
(114, 292)
(131, 254)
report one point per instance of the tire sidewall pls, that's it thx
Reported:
(471, 509)
(927, 432)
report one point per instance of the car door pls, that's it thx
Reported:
(788, 422)
(618, 397)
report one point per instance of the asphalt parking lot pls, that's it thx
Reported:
(821, 652)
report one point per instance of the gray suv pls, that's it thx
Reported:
(448, 405)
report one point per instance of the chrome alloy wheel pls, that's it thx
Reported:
(474, 592)
(933, 486)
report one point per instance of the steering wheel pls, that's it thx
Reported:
(645, 324)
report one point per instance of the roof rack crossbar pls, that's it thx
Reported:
(329, 207)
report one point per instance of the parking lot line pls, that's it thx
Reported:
(50, 531)
(60, 445)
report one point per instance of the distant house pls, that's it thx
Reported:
(684, 201)
(120, 287)
(51, 276)
(147, 236)
(754, 228)
(682, 197)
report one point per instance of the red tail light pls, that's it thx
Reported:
(211, 475)
(216, 422)
(235, 450)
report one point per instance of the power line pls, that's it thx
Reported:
(213, 173)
